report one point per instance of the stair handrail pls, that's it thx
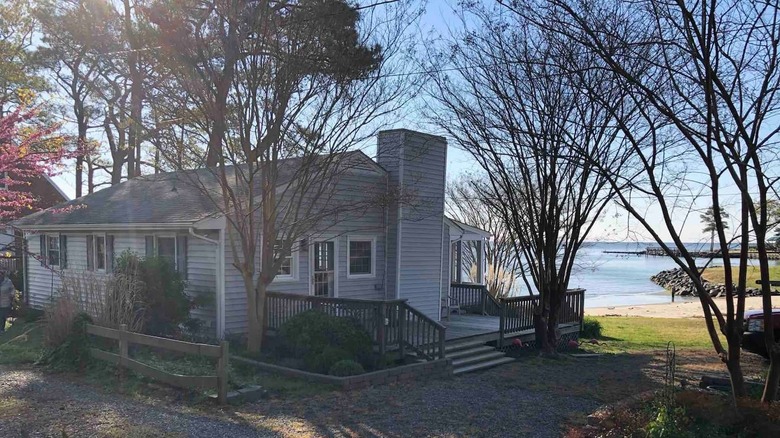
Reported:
(421, 333)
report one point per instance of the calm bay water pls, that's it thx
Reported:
(618, 279)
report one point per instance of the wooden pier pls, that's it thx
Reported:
(657, 251)
(626, 252)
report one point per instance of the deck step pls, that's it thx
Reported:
(469, 351)
(483, 365)
(455, 346)
(471, 359)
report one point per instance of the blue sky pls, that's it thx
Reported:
(615, 224)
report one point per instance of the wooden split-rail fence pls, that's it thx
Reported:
(218, 381)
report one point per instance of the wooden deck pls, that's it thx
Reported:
(472, 327)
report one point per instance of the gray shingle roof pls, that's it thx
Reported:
(174, 197)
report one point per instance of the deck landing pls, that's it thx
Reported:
(470, 326)
(485, 328)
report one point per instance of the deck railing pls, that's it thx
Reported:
(392, 324)
(475, 298)
(419, 333)
(518, 312)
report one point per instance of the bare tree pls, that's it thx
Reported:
(522, 118)
(704, 77)
(315, 81)
(464, 204)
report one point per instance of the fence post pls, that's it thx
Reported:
(380, 321)
(222, 372)
(122, 350)
(501, 322)
(401, 330)
(582, 309)
(441, 342)
(483, 296)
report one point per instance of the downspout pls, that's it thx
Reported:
(387, 233)
(219, 280)
(441, 273)
(26, 284)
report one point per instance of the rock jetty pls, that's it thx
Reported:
(678, 282)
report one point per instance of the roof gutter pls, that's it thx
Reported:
(116, 226)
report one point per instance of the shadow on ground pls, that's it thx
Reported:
(530, 397)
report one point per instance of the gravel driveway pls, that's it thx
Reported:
(37, 404)
(530, 397)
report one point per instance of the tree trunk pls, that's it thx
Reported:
(254, 339)
(552, 321)
(712, 241)
(116, 168)
(136, 96)
(79, 173)
(773, 376)
(735, 369)
(90, 176)
(540, 330)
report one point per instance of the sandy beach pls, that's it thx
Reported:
(682, 309)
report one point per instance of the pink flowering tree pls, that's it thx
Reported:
(28, 150)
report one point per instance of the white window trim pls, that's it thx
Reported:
(371, 239)
(156, 248)
(293, 276)
(59, 250)
(324, 238)
(95, 253)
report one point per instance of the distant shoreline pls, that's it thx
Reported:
(681, 309)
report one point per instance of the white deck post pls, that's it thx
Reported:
(459, 272)
(481, 261)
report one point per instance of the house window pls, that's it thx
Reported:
(54, 250)
(100, 252)
(287, 267)
(169, 247)
(361, 256)
(166, 249)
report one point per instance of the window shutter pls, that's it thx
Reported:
(181, 255)
(63, 251)
(110, 253)
(42, 250)
(90, 253)
(149, 246)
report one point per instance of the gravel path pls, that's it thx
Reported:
(37, 404)
(531, 397)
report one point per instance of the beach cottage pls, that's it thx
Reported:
(398, 250)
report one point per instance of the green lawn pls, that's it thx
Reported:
(716, 274)
(627, 333)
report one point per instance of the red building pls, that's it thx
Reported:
(47, 194)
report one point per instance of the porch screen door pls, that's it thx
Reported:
(324, 273)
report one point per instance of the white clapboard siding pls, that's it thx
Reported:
(44, 283)
(366, 184)
(417, 238)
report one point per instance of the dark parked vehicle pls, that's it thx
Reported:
(754, 327)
